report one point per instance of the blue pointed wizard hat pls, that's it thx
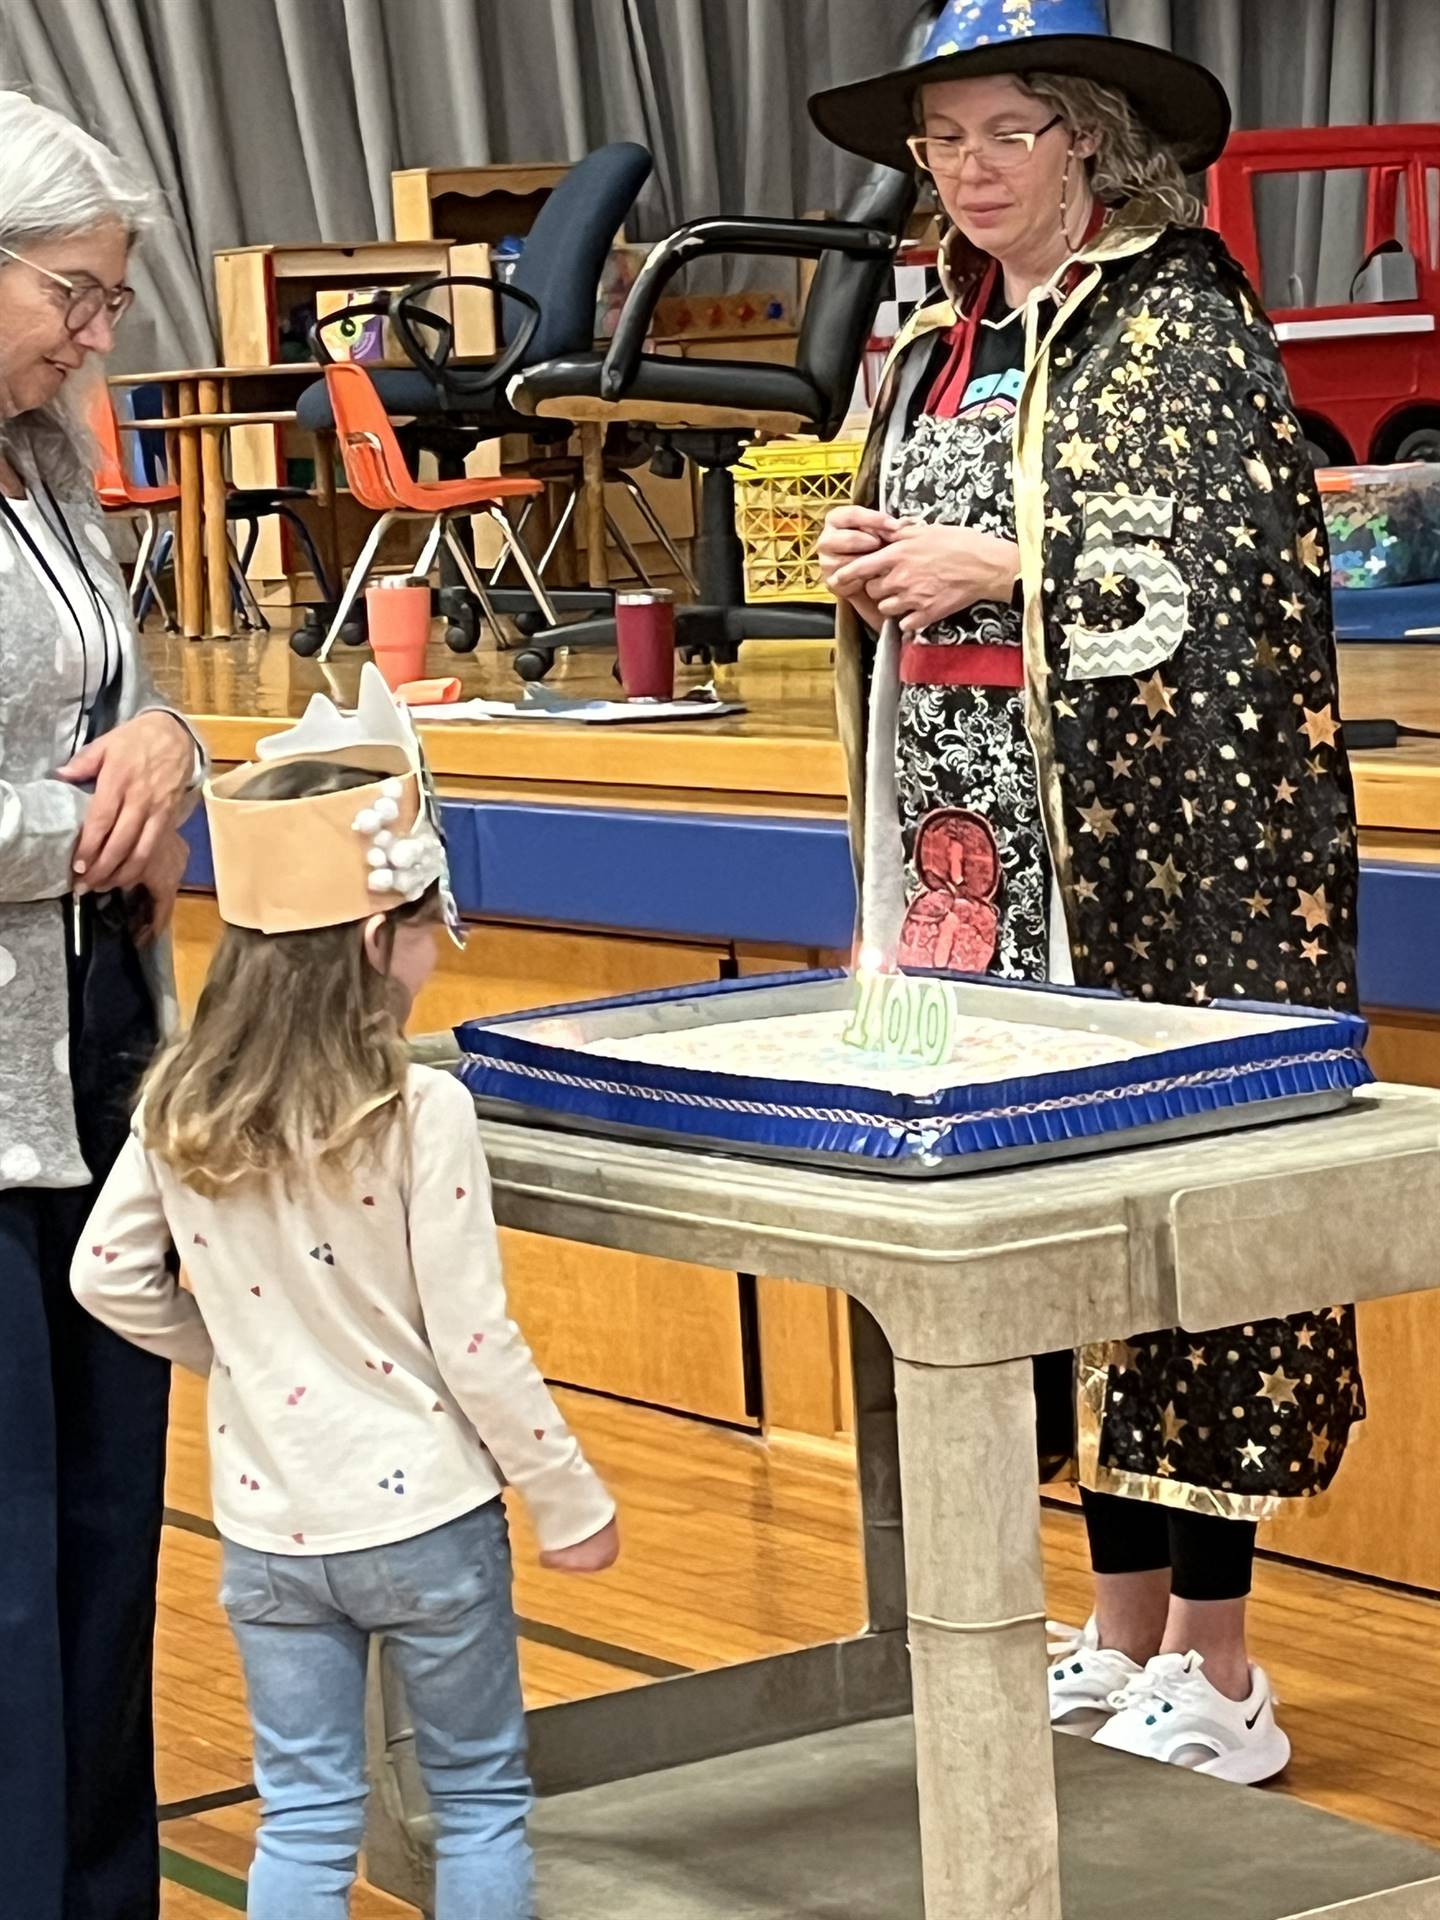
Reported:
(1183, 104)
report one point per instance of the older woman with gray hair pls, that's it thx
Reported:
(1088, 690)
(95, 777)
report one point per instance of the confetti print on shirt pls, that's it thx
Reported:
(296, 1396)
(256, 1292)
(368, 1201)
(246, 1481)
(383, 1366)
(107, 1254)
(323, 1254)
(199, 1241)
(298, 1538)
(477, 1340)
(395, 1482)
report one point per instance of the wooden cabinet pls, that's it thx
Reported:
(267, 298)
(470, 204)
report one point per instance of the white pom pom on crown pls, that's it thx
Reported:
(404, 854)
(377, 857)
(384, 838)
(392, 790)
(367, 821)
(385, 811)
(382, 880)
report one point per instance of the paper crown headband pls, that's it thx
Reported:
(289, 866)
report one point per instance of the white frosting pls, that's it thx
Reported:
(810, 1046)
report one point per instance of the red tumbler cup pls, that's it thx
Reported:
(645, 643)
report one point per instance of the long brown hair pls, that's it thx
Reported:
(296, 1056)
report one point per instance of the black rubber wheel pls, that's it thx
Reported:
(307, 640)
(533, 663)
(1422, 443)
(353, 633)
(462, 638)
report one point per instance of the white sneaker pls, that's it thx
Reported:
(1171, 1712)
(1084, 1678)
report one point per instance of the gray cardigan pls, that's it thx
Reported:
(40, 818)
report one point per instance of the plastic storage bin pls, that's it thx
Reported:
(783, 492)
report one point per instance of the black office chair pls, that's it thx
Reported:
(710, 410)
(451, 409)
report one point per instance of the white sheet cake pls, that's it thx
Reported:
(809, 1046)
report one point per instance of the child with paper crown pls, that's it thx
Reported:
(369, 1395)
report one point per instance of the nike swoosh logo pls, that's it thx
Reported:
(1250, 1724)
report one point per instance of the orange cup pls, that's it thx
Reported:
(399, 627)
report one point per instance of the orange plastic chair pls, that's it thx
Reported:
(125, 498)
(379, 477)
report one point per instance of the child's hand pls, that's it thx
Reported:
(594, 1555)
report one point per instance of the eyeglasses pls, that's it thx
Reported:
(944, 154)
(84, 302)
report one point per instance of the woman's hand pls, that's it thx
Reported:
(923, 573)
(141, 773)
(594, 1555)
(851, 533)
(152, 905)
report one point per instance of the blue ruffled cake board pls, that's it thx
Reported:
(549, 1067)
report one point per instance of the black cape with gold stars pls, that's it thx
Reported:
(1182, 702)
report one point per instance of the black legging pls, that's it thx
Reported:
(1208, 1558)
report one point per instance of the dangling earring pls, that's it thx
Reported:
(1065, 198)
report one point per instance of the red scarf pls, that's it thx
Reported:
(947, 395)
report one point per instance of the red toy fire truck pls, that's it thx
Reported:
(1339, 228)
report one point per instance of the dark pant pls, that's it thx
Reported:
(1208, 1558)
(82, 1438)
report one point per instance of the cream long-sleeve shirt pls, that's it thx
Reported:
(366, 1381)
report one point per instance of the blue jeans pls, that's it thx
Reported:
(442, 1603)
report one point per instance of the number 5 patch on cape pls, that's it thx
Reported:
(1111, 520)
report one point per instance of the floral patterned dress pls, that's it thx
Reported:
(966, 747)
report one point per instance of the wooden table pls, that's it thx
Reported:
(955, 1284)
(199, 413)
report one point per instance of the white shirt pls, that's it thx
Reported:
(92, 643)
(366, 1381)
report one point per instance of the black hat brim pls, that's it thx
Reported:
(1182, 103)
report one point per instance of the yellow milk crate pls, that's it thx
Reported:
(783, 492)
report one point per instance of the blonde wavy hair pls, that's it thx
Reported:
(1130, 162)
(296, 1059)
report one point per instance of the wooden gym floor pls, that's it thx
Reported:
(735, 1548)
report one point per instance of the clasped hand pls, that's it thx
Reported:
(141, 773)
(907, 570)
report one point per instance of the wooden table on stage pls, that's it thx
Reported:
(202, 406)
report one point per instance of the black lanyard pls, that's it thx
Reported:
(104, 619)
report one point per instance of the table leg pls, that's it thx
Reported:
(989, 1831)
(592, 450)
(220, 623)
(189, 573)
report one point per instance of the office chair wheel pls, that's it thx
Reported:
(309, 636)
(353, 632)
(463, 633)
(533, 663)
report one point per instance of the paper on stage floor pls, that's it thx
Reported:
(588, 712)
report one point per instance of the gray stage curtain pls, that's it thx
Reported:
(281, 120)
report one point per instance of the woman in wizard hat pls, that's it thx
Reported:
(1099, 681)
